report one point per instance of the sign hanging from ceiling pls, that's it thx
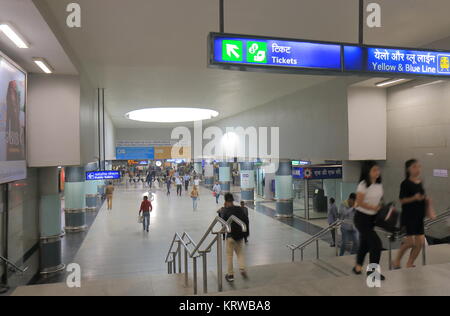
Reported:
(244, 52)
(102, 175)
(396, 61)
(275, 52)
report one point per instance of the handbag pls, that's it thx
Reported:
(140, 219)
(388, 218)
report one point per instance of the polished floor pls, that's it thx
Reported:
(326, 277)
(117, 246)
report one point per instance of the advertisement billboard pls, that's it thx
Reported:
(13, 85)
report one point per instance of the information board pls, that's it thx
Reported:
(275, 52)
(244, 52)
(102, 175)
(317, 173)
(135, 153)
(397, 61)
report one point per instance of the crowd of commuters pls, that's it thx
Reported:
(358, 213)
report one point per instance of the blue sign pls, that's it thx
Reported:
(317, 173)
(246, 52)
(397, 61)
(300, 162)
(135, 153)
(276, 53)
(102, 175)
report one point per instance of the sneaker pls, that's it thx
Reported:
(229, 277)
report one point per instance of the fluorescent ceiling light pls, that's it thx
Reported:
(43, 64)
(13, 35)
(389, 82)
(171, 115)
(428, 84)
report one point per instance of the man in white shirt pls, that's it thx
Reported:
(217, 190)
(179, 183)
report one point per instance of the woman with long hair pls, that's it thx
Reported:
(414, 204)
(368, 204)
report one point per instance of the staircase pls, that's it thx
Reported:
(311, 277)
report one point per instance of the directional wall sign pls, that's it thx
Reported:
(316, 173)
(102, 175)
(249, 52)
(277, 53)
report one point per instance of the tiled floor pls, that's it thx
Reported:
(330, 277)
(117, 246)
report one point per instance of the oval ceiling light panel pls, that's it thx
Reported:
(171, 115)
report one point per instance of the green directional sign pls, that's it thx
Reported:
(232, 50)
(257, 52)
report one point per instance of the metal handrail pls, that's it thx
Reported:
(439, 218)
(195, 253)
(395, 236)
(316, 236)
(13, 265)
(316, 239)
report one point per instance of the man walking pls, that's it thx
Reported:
(216, 191)
(146, 208)
(186, 179)
(332, 217)
(109, 195)
(245, 209)
(179, 183)
(235, 239)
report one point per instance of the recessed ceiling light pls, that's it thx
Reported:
(13, 35)
(389, 82)
(43, 64)
(171, 115)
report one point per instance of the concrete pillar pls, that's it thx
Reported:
(209, 174)
(283, 189)
(75, 199)
(91, 193)
(91, 190)
(247, 181)
(51, 233)
(225, 176)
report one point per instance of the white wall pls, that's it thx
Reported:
(88, 122)
(110, 138)
(53, 126)
(367, 123)
(312, 121)
(419, 127)
(143, 134)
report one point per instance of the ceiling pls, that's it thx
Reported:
(152, 53)
(25, 17)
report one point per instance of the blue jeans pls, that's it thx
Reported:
(146, 221)
(217, 198)
(349, 236)
(194, 202)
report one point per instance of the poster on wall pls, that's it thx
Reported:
(12, 121)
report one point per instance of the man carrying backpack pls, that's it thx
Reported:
(235, 239)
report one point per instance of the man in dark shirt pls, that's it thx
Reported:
(146, 208)
(235, 239)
